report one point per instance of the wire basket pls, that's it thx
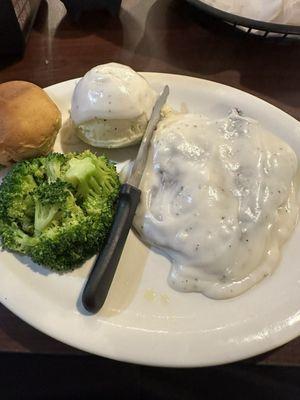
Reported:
(248, 25)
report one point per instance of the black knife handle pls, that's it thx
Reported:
(104, 268)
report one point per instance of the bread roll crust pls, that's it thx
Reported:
(29, 121)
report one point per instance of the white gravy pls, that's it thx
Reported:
(218, 198)
(111, 91)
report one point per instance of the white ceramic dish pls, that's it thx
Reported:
(143, 320)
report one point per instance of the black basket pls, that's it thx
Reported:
(264, 28)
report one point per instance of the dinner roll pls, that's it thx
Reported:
(29, 122)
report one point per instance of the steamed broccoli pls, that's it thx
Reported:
(58, 209)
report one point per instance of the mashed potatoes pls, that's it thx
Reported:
(218, 198)
(111, 106)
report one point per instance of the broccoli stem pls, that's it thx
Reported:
(43, 217)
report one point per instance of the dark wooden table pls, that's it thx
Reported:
(165, 36)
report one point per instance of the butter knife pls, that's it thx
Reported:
(104, 268)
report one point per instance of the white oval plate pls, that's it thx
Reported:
(143, 320)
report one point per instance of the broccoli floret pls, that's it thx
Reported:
(53, 165)
(67, 246)
(93, 178)
(58, 209)
(15, 239)
(50, 199)
(16, 201)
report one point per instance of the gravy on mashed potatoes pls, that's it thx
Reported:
(218, 197)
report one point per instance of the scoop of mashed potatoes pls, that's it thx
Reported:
(111, 106)
(219, 199)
